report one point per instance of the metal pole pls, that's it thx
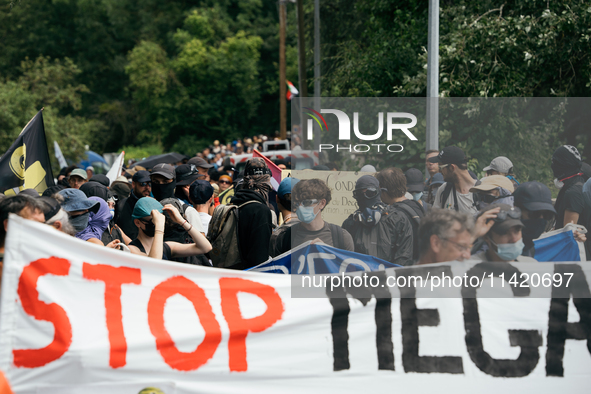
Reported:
(303, 83)
(317, 87)
(282, 83)
(433, 77)
(302, 50)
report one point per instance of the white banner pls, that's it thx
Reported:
(80, 318)
(115, 170)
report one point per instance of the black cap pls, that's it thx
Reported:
(95, 189)
(414, 180)
(30, 193)
(501, 227)
(102, 179)
(199, 162)
(166, 170)
(449, 155)
(50, 207)
(200, 191)
(186, 174)
(534, 196)
(141, 176)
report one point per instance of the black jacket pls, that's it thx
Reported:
(255, 226)
(124, 220)
(391, 239)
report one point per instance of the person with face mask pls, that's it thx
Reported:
(141, 186)
(79, 208)
(504, 239)
(309, 197)
(149, 218)
(377, 231)
(570, 203)
(163, 179)
(416, 187)
(493, 189)
(255, 221)
(537, 213)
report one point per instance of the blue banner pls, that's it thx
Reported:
(558, 247)
(310, 259)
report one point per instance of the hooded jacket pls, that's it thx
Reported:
(255, 227)
(123, 219)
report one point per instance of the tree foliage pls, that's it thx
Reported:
(176, 75)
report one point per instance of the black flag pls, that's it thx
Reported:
(26, 164)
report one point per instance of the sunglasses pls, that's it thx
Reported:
(488, 198)
(144, 184)
(370, 192)
(307, 203)
(442, 166)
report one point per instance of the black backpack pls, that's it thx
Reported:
(176, 233)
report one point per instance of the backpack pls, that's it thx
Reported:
(415, 220)
(449, 187)
(176, 233)
(223, 235)
(336, 232)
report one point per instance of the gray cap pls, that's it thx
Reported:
(199, 162)
(500, 164)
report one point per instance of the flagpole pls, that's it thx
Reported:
(282, 83)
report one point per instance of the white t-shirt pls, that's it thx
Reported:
(205, 219)
(465, 201)
(193, 217)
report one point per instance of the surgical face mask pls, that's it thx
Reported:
(306, 214)
(79, 222)
(112, 211)
(509, 252)
(533, 228)
(417, 196)
(558, 184)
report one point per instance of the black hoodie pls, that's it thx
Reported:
(255, 226)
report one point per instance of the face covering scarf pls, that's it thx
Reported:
(161, 192)
(97, 222)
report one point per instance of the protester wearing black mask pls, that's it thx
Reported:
(535, 201)
(377, 230)
(163, 181)
(570, 203)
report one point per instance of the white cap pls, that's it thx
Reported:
(500, 164)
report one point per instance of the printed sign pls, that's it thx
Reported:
(341, 185)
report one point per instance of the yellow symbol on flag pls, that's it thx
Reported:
(34, 176)
(151, 390)
(17, 161)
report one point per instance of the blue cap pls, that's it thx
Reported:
(286, 185)
(76, 200)
(437, 179)
(144, 207)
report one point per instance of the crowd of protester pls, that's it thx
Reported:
(402, 217)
